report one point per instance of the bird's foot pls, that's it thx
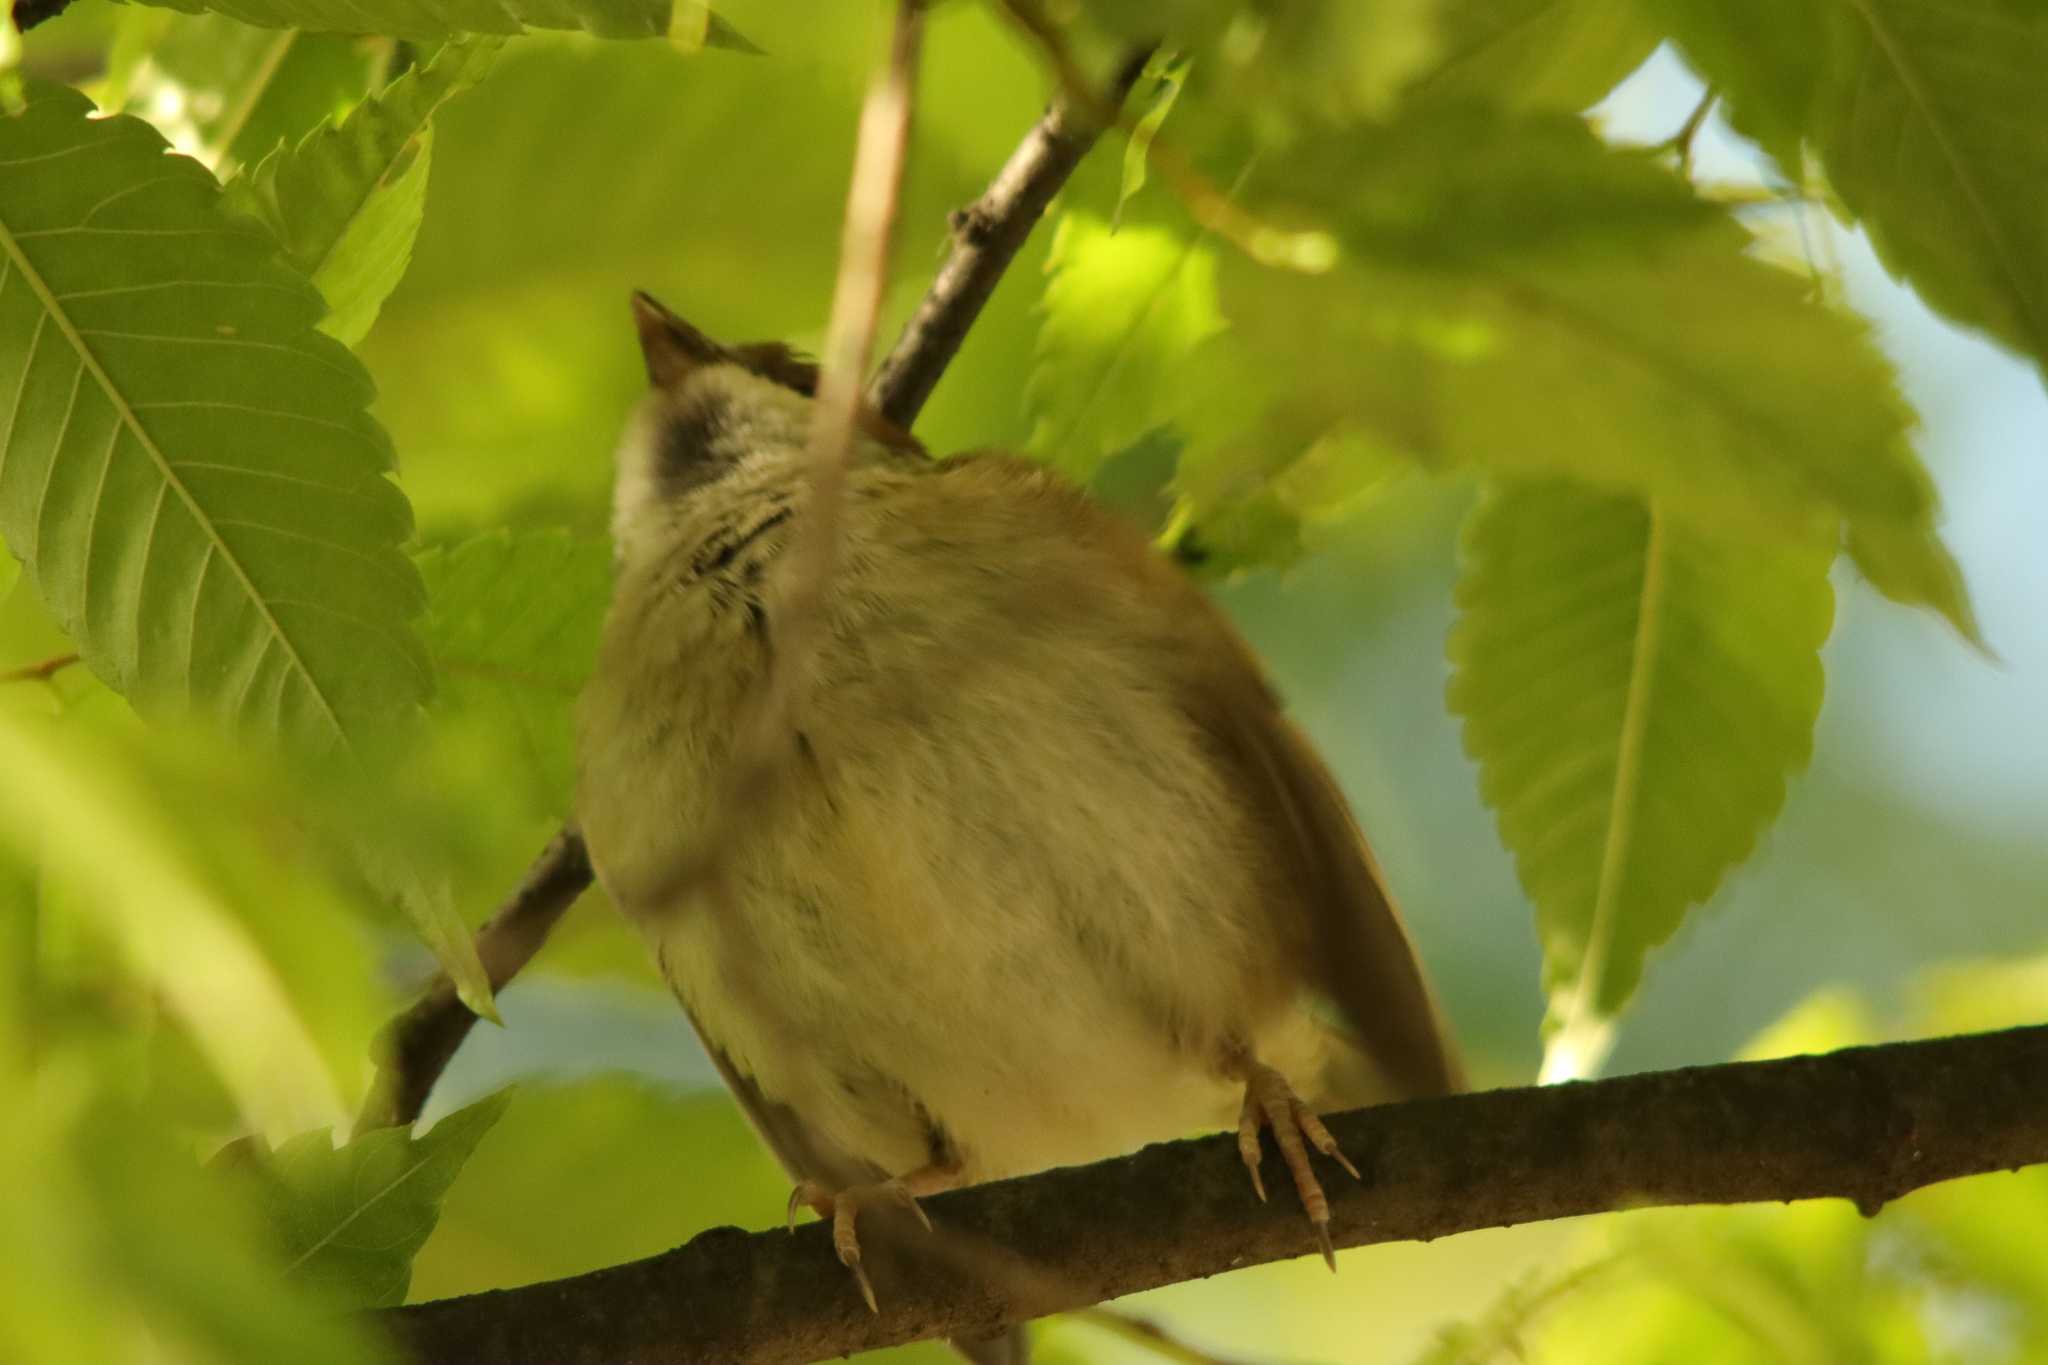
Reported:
(1270, 1102)
(843, 1208)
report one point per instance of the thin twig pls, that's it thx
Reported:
(1680, 142)
(419, 1043)
(1151, 1336)
(1311, 250)
(986, 237)
(39, 672)
(1866, 1124)
(766, 728)
(416, 1047)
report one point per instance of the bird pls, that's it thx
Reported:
(1047, 873)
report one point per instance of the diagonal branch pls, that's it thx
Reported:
(986, 236)
(1866, 1124)
(418, 1045)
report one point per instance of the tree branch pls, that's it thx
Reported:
(418, 1045)
(1867, 1124)
(986, 237)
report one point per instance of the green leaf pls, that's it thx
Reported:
(177, 1261)
(189, 473)
(615, 1140)
(450, 18)
(1931, 121)
(227, 93)
(1123, 310)
(513, 622)
(1337, 60)
(65, 805)
(352, 1218)
(346, 202)
(1535, 54)
(1514, 297)
(1635, 694)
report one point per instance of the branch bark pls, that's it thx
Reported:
(1867, 1124)
(417, 1045)
(987, 235)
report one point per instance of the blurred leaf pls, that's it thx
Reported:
(352, 1218)
(1931, 121)
(1498, 1333)
(513, 622)
(227, 93)
(1123, 310)
(1635, 694)
(67, 805)
(631, 1171)
(190, 477)
(450, 18)
(117, 1247)
(1535, 54)
(1164, 75)
(1335, 59)
(1517, 298)
(346, 202)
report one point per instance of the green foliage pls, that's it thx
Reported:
(513, 627)
(227, 93)
(400, 19)
(350, 1219)
(190, 476)
(346, 202)
(1931, 122)
(117, 1247)
(1635, 694)
(1123, 309)
(1514, 298)
(184, 909)
(1535, 54)
(648, 1168)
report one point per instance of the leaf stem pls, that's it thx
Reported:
(42, 671)
(1581, 1037)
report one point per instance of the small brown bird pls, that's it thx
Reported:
(1050, 875)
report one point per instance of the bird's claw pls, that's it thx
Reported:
(1270, 1102)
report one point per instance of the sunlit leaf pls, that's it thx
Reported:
(350, 1219)
(1636, 695)
(228, 93)
(403, 19)
(1930, 120)
(1535, 54)
(1123, 310)
(189, 474)
(1516, 298)
(346, 202)
(513, 622)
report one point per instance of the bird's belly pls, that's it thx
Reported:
(1018, 1059)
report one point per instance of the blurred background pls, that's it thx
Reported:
(1913, 844)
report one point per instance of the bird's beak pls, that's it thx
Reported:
(672, 347)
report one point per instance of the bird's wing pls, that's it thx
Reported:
(1362, 953)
